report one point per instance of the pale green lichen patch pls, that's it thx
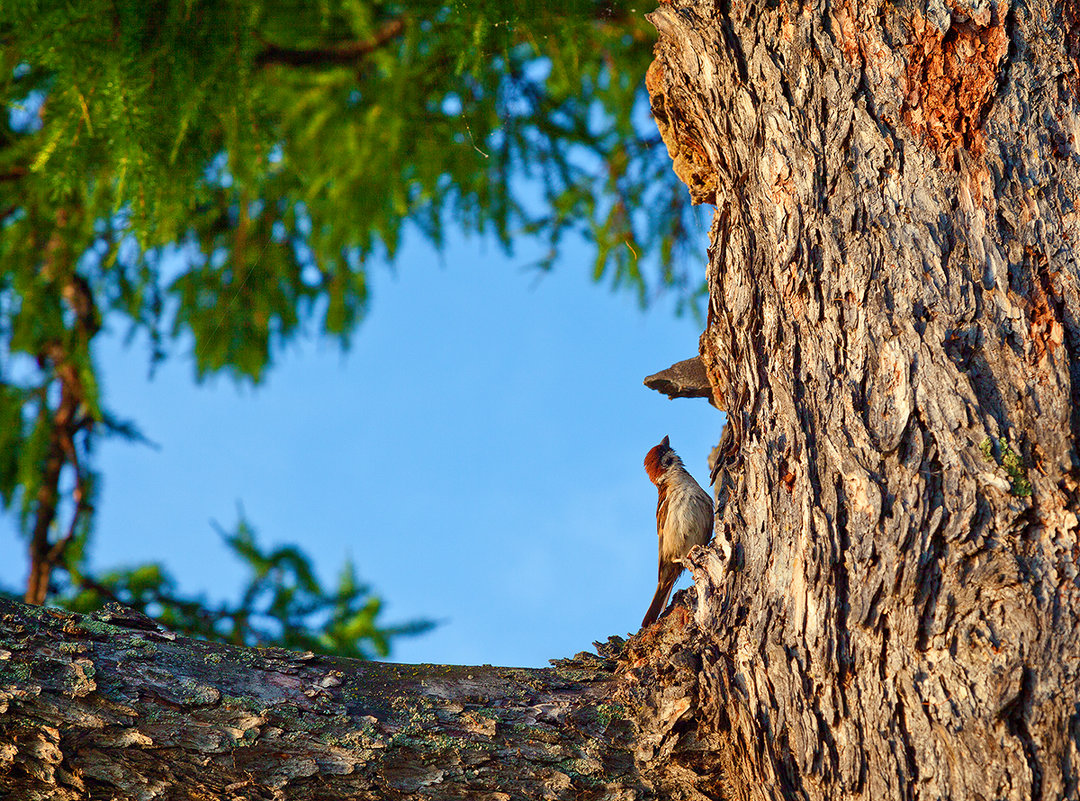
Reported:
(1012, 462)
(99, 629)
(245, 733)
(1014, 466)
(195, 693)
(606, 713)
(78, 678)
(246, 702)
(139, 649)
(426, 742)
(152, 714)
(15, 673)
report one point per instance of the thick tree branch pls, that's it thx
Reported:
(66, 421)
(94, 710)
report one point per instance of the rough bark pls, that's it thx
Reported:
(890, 610)
(93, 708)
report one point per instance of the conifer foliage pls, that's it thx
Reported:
(214, 178)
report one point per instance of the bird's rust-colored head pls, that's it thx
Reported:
(655, 462)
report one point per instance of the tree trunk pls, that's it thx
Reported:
(891, 608)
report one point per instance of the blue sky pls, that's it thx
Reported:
(477, 452)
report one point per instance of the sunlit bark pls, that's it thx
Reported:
(891, 610)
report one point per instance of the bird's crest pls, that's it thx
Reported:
(652, 460)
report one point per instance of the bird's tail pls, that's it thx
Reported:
(663, 590)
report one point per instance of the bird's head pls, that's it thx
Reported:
(659, 460)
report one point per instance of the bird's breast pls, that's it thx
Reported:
(686, 522)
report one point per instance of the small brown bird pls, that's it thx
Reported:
(684, 518)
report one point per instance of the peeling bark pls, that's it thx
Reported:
(891, 607)
(685, 379)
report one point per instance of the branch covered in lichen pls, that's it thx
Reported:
(92, 709)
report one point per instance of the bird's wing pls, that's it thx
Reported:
(661, 521)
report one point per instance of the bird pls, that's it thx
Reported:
(684, 518)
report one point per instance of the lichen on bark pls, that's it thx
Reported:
(89, 709)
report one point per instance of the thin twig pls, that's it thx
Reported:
(344, 53)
